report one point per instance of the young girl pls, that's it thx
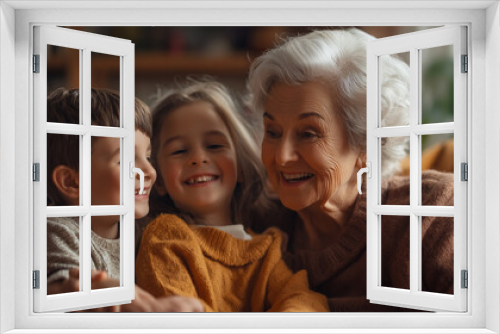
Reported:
(210, 181)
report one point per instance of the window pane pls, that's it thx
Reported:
(437, 84)
(63, 165)
(105, 77)
(105, 171)
(396, 87)
(438, 155)
(105, 250)
(395, 159)
(63, 253)
(395, 251)
(437, 254)
(63, 73)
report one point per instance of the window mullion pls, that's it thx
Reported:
(415, 85)
(434, 129)
(127, 93)
(85, 176)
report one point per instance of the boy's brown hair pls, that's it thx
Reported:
(63, 106)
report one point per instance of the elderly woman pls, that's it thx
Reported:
(311, 92)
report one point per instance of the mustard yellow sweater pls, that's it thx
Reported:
(225, 273)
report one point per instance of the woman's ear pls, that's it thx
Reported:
(67, 182)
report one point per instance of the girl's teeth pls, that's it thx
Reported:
(201, 179)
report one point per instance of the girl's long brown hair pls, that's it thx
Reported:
(251, 195)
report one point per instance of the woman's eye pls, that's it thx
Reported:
(308, 135)
(148, 159)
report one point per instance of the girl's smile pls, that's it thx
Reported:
(201, 180)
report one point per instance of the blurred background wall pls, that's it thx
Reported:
(166, 56)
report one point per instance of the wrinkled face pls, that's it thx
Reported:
(305, 147)
(142, 157)
(197, 160)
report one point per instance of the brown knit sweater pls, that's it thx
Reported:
(225, 273)
(339, 271)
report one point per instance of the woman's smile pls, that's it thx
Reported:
(295, 179)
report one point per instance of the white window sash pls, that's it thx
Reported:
(86, 43)
(414, 297)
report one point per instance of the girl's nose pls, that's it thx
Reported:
(198, 157)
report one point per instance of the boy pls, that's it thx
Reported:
(63, 189)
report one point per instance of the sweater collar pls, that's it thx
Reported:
(223, 247)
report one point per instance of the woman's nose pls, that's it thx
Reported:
(285, 152)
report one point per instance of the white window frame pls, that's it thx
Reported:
(85, 43)
(414, 43)
(16, 21)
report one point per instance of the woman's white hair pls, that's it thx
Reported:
(338, 59)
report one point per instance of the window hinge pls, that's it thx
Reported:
(36, 63)
(36, 172)
(36, 279)
(465, 279)
(464, 171)
(465, 64)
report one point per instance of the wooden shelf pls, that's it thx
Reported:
(235, 64)
(154, 63)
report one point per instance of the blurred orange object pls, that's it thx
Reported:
(438, 157)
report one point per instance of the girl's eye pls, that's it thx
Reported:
(214, 146)
(177, 152)
(148, 159)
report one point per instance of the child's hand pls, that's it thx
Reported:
(179, 304)
(70, 284)
(145, 302)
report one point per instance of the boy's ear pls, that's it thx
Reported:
(67, 181)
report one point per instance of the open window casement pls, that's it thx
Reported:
(84, 45)
(418, 46)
